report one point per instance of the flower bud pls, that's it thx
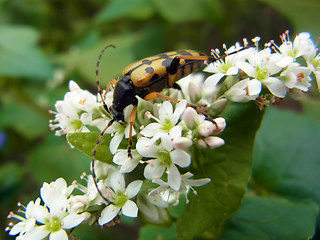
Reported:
(202, 143)
(181, 143)
(73, 86)
(218, 105)
(194, 92)
(220, 124)
(214, 142)
(190, 117)
(206, 128)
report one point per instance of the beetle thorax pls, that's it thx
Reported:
(123, 95)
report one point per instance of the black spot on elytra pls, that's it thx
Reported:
(147, 61)
(184, 53)
(149, 70)
(167, 63)
(155, 77)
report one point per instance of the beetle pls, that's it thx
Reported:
(146, 78)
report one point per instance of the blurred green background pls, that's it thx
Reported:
(44, 44)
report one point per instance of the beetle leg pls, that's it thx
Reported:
(131, 122)
(154, 95)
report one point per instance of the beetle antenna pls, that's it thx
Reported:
(93, 161)
(97, 76)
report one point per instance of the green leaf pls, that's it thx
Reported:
(286, 156)
(153, 232)
(139, 9)
(19, 55)
(188, 10)
(112, 63)
(229, 167)
(22, 119)
(85, 142)
(272, 218)
(55, 158)
(302, 14)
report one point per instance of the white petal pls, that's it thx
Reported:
(130, 209)
(152, 170)
(145, 149)
(254, 87)
(232, 71)
(133, 188)
(115, 142)
(175, 132)
(73, 86)
(213, 80)
(174, 177)
(150, 129)
(180, 158)
(121, 157)
(165, 111)
(275, 86)
(181, 106)
(166, 142)
(108, 213)
(117, 182)
(246, 67)
(37, 233)
(72, 220)
(59, 235)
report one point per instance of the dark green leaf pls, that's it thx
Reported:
(24, 120)
(54, 158)
(19, 55)
(139, 9)
(301, 13)
(287, 154)
(153, 232)
(188, 10)
(85, 142)
(229, 167)
(272, 218)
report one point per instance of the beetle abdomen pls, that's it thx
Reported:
(148, 71)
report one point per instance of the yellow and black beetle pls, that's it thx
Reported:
(147, 78)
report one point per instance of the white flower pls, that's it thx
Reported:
(119, 196)
(166, 124)
(165, 157)
(27, 223)
(289, 51)
(260, 67)
(170, 195)
(244, 90)
(296, 76)
(195, 91)
(224, 67)
(127, 164)
(76, 111)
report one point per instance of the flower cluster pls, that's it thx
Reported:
(270, 73)
(52, 219)
(167, 137)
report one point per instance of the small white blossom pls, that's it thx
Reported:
(296, 76)
(127, 164)
(165, 157)
(120, 197)
(244, 90)
(260, 68)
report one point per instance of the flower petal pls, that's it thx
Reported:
(108, 213)
(275, 86)
(180, 157)
(133, 188)
(59, 235)
(72, 220)
(174, 177)
(130, 209)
